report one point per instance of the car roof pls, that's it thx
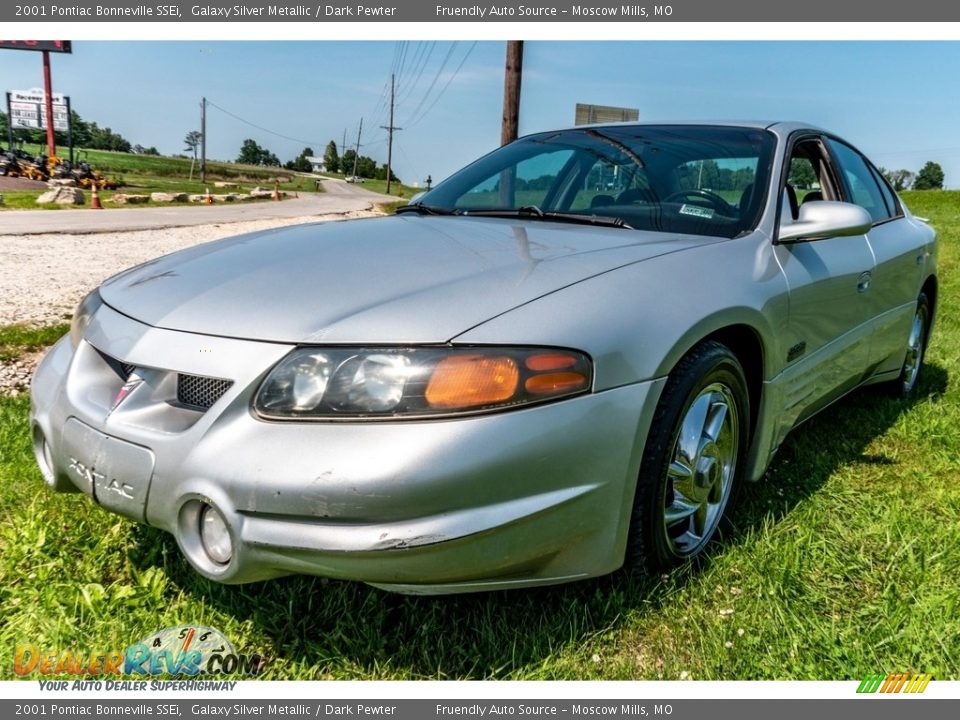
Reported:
(778, 127)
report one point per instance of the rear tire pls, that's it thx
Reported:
(907, 384)
(693, 459)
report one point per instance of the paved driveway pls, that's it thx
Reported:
(340, 197)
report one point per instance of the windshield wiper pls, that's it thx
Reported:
(532, 211)
(421, 209)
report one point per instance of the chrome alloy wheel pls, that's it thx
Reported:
(701, 470)
(915, 342)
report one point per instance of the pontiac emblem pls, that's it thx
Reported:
(132, 383)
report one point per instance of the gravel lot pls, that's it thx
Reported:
(43, 277)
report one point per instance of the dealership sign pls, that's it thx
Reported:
(28, 110)
(61, 46)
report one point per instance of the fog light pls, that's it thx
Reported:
(215, 535)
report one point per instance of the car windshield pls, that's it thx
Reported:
(700, 180)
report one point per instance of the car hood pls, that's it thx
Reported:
(400, 279)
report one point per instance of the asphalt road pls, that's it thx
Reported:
(340, 197)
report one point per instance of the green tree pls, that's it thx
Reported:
(331, 158)
(382, 174)
(801, 174)
(252, 154)
(346, 162)
(85, 134)
(930, 177)
(366, 167)
(900, 179)
(192, 141)
(300, 163)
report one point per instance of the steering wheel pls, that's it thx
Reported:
(713, 200)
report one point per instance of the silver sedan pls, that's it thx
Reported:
(567, 356)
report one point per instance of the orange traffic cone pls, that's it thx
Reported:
(207, 200)
(95, 203)
(276, 191)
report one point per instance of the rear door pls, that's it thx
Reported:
(899, 256)
(827, 338)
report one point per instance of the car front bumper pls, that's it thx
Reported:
(527, 497)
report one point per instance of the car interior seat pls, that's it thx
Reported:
(632, 196)
(745, 199)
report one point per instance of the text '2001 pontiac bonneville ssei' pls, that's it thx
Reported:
(567, 356)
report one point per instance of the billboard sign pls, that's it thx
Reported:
(592, 114)
(60, 46)
(28, 110)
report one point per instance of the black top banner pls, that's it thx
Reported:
(466, 11)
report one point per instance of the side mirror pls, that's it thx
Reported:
(823, 219)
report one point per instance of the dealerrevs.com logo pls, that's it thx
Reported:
(895, 683)
(184, 650)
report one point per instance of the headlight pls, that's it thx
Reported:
(83, 315)
(395, 383)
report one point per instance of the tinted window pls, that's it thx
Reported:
(860, 182)
(698, 180)
(887, 193)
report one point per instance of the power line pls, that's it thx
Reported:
(433, 83)
(260, 127)
(452, 78)
(403, 93)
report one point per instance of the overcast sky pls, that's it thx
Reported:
(898, 101)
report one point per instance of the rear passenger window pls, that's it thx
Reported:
(887, 193)
(861, 185)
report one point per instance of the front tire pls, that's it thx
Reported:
(693, 459)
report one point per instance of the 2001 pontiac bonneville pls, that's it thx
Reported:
(566, 356)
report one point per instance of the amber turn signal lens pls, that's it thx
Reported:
(543, 362)
(555, 383)
(464, 381)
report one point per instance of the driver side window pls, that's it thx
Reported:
(808, 178)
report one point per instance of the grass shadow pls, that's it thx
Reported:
(320, 628)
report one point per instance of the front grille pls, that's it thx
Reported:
(200, 392)
(122, 369)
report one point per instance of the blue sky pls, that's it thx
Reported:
(898, 101)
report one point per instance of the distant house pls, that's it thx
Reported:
(316, 164)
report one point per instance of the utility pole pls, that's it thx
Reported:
(203, 140)
(511, 92)
(48, 104)
(343, 145)
(511, 115)
(356, 154)
(390, 128)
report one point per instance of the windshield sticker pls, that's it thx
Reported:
(696, 211)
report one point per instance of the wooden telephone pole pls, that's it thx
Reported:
(511, 115)
(356, 154)
(203, 140)
(511, 92)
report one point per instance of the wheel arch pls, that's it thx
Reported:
(746, 340)
(929, 288)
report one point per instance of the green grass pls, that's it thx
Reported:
(842, 562)
(144, 174)
(15, 340)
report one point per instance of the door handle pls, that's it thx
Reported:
(863, 282)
